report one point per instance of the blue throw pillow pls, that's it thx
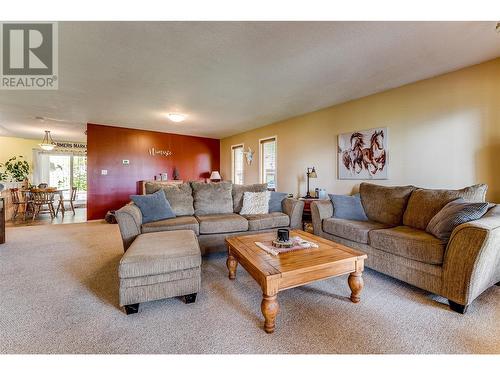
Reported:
(276, 200)
(348, 207)
(154, 207)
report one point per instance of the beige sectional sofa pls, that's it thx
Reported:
(398, 245)
(211, 211)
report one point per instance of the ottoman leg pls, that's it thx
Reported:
(131, 309)
(189, 298)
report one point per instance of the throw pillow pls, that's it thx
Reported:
(385, 204)
(154, 207)
(212, 198)
(452, 215)
(180, 196)
(348, 207)
(255, 203)
(239, 190)
(276, 200)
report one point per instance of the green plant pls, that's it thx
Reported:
(17, 169)
(3, 175)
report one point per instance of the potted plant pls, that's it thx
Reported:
(18, 169)
(3, 175)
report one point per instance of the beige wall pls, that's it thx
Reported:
(10, 146)
(444, 132)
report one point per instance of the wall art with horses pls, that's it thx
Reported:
(362, 155)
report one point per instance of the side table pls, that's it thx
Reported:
(306, 215)
(2, 220)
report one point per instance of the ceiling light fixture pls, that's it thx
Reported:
(176, 117)
(48, 143)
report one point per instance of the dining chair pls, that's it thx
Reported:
(41, 198)
(71, 202)
(20, 200)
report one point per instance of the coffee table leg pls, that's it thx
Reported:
(269, 308)
(356, 284)
(231, 263)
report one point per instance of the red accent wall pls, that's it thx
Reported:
(108, 146)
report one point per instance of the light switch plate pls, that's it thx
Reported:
(125, 162)
(104, 172)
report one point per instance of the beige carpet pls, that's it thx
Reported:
(58, 290)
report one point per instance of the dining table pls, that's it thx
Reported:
(57, 191)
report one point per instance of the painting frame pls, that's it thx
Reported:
(363, 154)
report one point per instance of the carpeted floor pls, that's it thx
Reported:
(59, 287)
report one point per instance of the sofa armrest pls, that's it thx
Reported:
(129, 220)
(472, 258)
(294, 209)
(321, 209)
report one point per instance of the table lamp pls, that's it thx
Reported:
(215, 176)
(311, 173)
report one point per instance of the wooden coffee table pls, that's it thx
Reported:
(292, 269)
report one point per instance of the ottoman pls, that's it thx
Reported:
(160, 265)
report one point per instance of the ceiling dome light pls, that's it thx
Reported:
(176, 117)
(48, 143)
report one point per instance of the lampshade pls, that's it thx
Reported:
(48, 143)
(313, 174)
(215, 175)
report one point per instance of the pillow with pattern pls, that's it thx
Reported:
(255, 203)
(452, 215)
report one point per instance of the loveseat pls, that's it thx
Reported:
(397, 244)
(211, 211)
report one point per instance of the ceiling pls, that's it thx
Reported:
(229, 77)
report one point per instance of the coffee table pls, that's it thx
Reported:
(292, 269)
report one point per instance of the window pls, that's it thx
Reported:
(237, 164)
(62, 170)
(268, 152)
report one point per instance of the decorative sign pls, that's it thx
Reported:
(72, 145)
(153, 152)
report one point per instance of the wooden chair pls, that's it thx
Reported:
(41, 198)
(71, 201)
(19, 200)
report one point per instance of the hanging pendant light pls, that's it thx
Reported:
(48, 143)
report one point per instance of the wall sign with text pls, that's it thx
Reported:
(154, 152)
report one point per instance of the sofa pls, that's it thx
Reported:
(397, 244)
(211, 211)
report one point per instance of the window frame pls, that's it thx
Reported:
(233, 147)
(261, 160)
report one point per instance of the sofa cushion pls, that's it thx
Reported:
(348, 207)
(180, 197)
(177, 223)
(267, 221)
(222, 223)
(353, 230)
(255, 203)
(276, 201)
(409, 243)
(385, 204)
(161, 252)
(424, 204)
(452, 215)
(239, 190)
(212, 198)
(153, 207)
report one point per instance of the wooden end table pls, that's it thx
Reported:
(292, 269)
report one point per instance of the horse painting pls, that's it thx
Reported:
(360, 159)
